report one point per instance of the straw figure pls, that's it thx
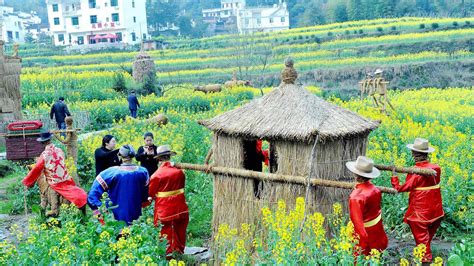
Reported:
(71, 145)
(143, 68)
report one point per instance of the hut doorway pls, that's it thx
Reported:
(254, 159)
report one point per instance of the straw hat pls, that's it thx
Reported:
(421, 145)
(164, 151)
(378, 71)
(363, 166)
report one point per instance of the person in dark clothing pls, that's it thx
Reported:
(59, 111)
(133, 104)
(106, 156)
(146, 154)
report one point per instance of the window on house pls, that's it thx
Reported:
(17, 35)
(92, 3)
(134, 19)
(75, 21)
(119, 36)
(134, 37)
(93, 19)
(113, 2)
(55, 8)
(80, 40)
(259, 21)
(133, 4)
(10, 35)
(61, 37)
(247, 21)
(115, 17)
(144, 36)
(56, 21)
(271, 20)
(283, 19)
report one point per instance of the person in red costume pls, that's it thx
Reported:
(263, 153)
(171, 210)
(51, 163)
(364, 206)
(425, 208)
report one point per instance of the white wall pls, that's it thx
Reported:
(132, 19)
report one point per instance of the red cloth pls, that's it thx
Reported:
(51, 163)
(364, 206)
(424, 233)
(263, 153)
(423, 205)
(175, 232)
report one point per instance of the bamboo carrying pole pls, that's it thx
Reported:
(406, 170)
(272, 177)
(36, 134)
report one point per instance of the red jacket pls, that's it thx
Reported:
(52, 164)
(424, 204)
(167, 189)
(365, 213)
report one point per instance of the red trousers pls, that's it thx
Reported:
(423, 234)
(175, 231)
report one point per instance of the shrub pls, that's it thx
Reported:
(422, 26)
(435, 25)
(119, 84)
(379, 29)
(455, 23)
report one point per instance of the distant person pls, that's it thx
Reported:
(146, 154)
(59, 111)
(133, 104)
(106, 156)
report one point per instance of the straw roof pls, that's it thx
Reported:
(290, 112)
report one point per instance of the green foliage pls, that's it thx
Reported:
(119, 84)
(74, 238)
(435, 25)
(462, 253)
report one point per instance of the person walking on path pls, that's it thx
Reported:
(133, 104)
(59, 111)
(425, 206)
(364, 207)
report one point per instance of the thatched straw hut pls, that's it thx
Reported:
(307, 137)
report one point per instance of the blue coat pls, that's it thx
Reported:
(127, 186)
(133, 103)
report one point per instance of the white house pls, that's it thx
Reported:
(236, 14)
(15, 24)
(104, 22)
(263, 19)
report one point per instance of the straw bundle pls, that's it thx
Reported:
(143, 68)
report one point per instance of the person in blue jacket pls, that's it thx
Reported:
(126, 185)
(133, 104)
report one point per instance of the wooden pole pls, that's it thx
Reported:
(36, 134)
(272, 177)
(407, 170)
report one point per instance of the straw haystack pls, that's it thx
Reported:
(307, 136)
(10, 97)
(143, 68)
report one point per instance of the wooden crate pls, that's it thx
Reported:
(22, 148)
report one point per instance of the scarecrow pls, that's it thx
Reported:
(364, 206)
(425, 208)
(71, 144)
(171, 210)
(52, 165)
